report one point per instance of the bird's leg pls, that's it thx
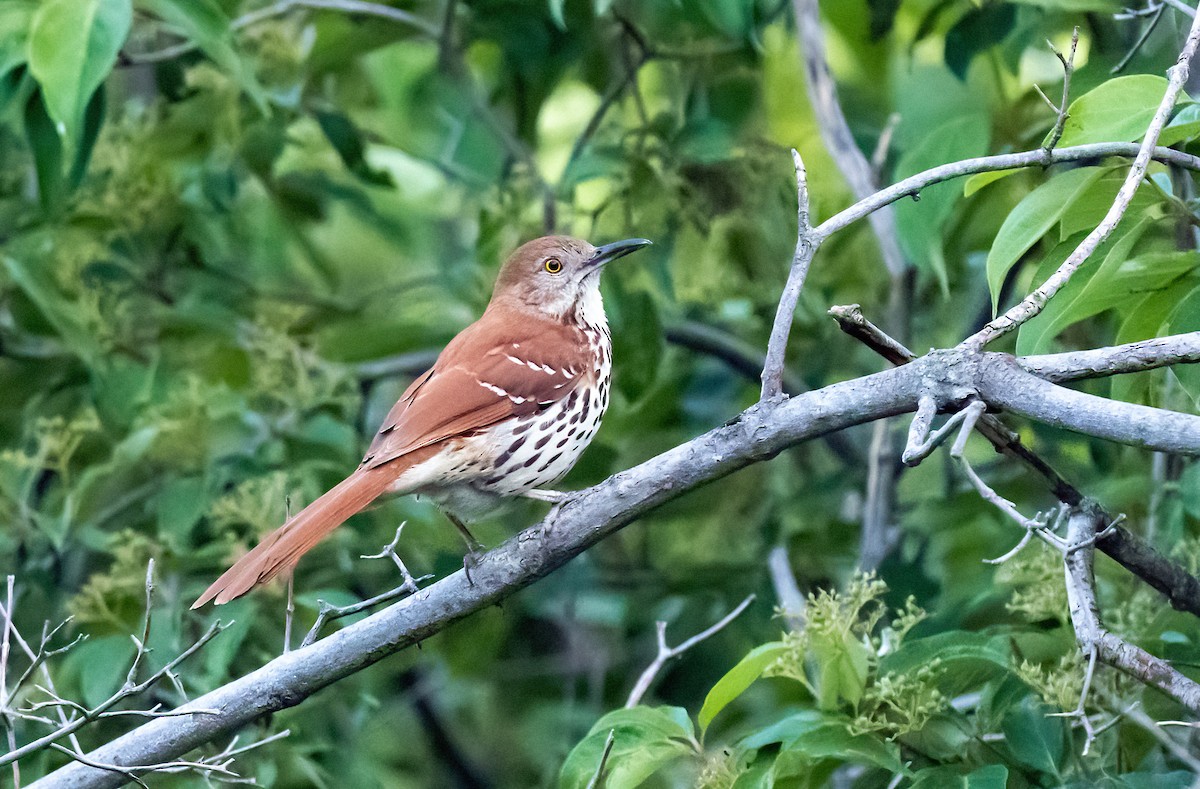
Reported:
(557, 498)
(552, 496)
(474, 547)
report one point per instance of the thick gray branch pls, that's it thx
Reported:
(757, 434)
(913, 185)
(1005, 384)
(1129, 358)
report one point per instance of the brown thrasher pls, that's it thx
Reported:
(509, 406)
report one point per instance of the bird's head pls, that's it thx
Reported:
(552, 275)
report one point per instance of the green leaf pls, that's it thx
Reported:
(645, 739)
(976, 31)
(843, 664)
(1118, 110)
(786, 730)
(1031, 219)
(967, 659)
(47, 148)
(737, 679)
(1184, 127)
(1145, 319)
(15, 18)
(1035, 739)
(180, 505)
(639, 342)
(980, 180)
(102, 664)
(832, 739)
(1099, 286)
(36, 282)
(93, 119)
(204, 23)
(920, 223)
(73, 44)
(347, 140)
(1186, 318)
(994, 776)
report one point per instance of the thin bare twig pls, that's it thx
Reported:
(666, 653)
(289, 609)
(1068, 64)
(1137, 45)
(772, 374)
(835, 131)
(327, 613)
(1133, 357)
(883, 146)
(4, 651)
(126, 691)
(911, 186)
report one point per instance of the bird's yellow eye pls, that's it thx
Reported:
(554, 266)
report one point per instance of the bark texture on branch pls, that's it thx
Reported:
(757, 434)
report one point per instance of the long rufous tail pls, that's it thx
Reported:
(282, 548)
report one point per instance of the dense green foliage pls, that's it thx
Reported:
(205, 251)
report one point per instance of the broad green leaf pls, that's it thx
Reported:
(645, 739)
(1145, 319)
(102, 664)
(737, 679)
(842, 664)
(1035, 739)
(1185, 126)
(832, 740)
(1093, 205)
(786, 730)
(980, 180)
(967, 659)
(920, 223)
(15, 19)
(93, 119)
(348, 141)
(1154, 779)
(180, 504)
(757, 776)
(555, 7)
(1031, 219)
(976, 31)
(47, 147)
(35, 281)
(204, 23)
(1186, 318)
(994, 776)
(1118, 110)
(73, 44)
(1096, 286)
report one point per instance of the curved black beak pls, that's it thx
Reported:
(617, 249)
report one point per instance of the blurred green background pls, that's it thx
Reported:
(232, 233)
